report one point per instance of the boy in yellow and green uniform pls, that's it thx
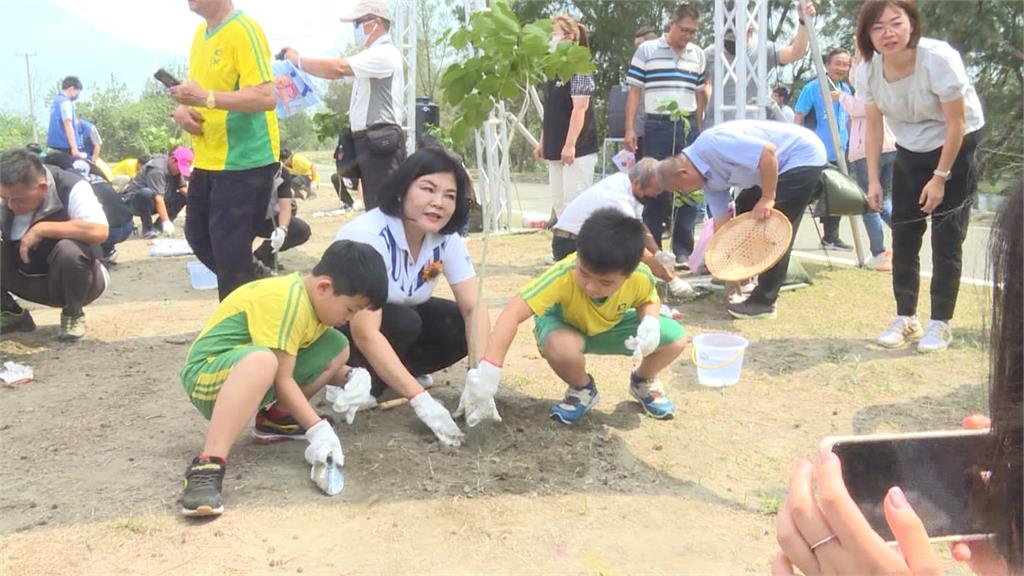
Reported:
(268, 347)
(600, 301)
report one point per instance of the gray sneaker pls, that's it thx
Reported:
(902, 330)
(72, 328)
(937, 336)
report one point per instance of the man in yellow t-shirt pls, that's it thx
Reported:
(227, 105)
(305, 178)
(600, 301)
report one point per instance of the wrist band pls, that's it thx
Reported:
(299, 63)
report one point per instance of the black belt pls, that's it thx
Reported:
(359, 134)
(563, 234)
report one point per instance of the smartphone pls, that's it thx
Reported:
(942, 474)
(166, 78)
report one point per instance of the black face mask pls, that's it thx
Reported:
(730, 46)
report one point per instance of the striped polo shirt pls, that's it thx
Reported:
(664, 75)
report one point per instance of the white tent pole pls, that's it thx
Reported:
(826, 97)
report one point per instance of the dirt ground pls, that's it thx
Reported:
(92, 452)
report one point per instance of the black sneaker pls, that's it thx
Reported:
(751, 310)
(203, 481)
(836, 244)
(16, 321)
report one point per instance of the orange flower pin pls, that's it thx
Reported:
(431, 270)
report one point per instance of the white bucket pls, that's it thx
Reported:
(719, 358)
(202, 277)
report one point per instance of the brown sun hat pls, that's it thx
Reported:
(744, 247)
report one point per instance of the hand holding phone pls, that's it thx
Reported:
(941, 473)
(823, 530)
(166, 78)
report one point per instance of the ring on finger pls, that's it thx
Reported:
(822, 542)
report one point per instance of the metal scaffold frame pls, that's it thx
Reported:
(742, 70)
(404, 34)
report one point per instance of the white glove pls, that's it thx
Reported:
(477, 401)
(679, 288)
(323, 442)
(167, 227)
(648, 336)
(355, 396)
(665, 259)
(437, 418)
(277, 238)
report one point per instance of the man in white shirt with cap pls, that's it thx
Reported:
(375, 110)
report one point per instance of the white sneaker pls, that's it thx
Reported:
(881, 263)
(937, 336)
(901, 331)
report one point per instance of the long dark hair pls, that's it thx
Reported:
(1006, 386)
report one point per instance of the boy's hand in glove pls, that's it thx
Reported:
(477, 401)
(355, 396)
(648, 336)
(323, 442)
(437, 418)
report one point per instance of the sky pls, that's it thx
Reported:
(131, 39)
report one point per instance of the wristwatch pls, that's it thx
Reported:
(944, 175)
(211, 102)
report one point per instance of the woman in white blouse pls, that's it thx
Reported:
(423, 205)
(919, 85)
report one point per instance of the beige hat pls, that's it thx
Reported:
(745, 247)
(377, 8)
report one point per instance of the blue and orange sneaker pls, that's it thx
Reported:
(651, 395)
(577, 402)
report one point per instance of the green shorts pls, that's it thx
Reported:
(612, 342)
(203, 378)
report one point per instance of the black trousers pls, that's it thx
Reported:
(830, 228)
(142, 203)
(174, 201)
(911, 172)
(792, 195)
(342, 190)
(664, 138)
(72, 280)
(297, 235)
(562, 247)
(225, 208)
(427, 338)
(374, 169)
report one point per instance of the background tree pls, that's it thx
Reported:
(16, 130)
(131, 127)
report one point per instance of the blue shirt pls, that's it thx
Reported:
(62, 108)
(810, 97)
(85, 135)
(728, 154)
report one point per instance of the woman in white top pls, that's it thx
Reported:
(422, 206)
(921, 88)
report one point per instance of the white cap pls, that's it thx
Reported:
(377, 8)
